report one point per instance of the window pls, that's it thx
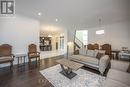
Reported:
(81, 37)
(99, 32)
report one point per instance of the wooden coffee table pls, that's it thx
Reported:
(70, 66)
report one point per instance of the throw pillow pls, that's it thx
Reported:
(128, 69)
(99, 55)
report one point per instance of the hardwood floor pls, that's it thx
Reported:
(28, 77)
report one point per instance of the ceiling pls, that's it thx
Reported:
(84, 13)
(50, 29)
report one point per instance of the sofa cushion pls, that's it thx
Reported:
(90, 53)
(33, 55)
(76, 57)
(120, 76)
(95, 53)
(112, 83)
(90, 60)
(82, 51)
(86, 59)
(6, 59)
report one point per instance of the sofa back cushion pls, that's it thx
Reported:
(82, 51)
(95, 53)
(90, 53)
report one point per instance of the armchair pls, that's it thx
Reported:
(33, 53)
(6, 55)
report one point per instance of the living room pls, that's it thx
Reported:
(64, 43)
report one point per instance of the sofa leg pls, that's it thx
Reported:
(102, 74)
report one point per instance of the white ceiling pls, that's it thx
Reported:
(75, 12)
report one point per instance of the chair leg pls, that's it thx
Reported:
(11, 65)
(38, 64)
(29, 62)
(38, 61)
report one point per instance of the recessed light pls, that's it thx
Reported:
(56, 19)
(39, 13)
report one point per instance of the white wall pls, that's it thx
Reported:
(19, 32)
(116, 34)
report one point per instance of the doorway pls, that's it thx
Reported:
(51, 44)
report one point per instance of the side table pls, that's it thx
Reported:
(116, 53)
(21, 59)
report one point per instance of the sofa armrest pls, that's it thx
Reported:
(103, 63)
(119, 65)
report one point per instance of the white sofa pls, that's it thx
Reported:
(118, 75)
(91, 61)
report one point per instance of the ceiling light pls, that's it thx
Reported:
(39, 13)
(56, 19)
(61, 35)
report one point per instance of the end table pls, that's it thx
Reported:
(21, 59)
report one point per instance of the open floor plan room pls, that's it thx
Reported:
(64, 43)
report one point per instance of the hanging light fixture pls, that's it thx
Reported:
(101, 31)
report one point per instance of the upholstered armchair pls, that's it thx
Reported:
(108, 49)
(90, 47)
(96, 46)
(6, 55)
(33, 53)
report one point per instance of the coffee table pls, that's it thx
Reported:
(70, 65)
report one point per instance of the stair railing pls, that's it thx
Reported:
(78, 42)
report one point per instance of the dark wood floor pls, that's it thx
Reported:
(28, 77)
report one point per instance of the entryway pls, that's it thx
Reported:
(51, 44)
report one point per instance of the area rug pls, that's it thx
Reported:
(83, 78)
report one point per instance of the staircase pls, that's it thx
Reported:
(79, 46)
